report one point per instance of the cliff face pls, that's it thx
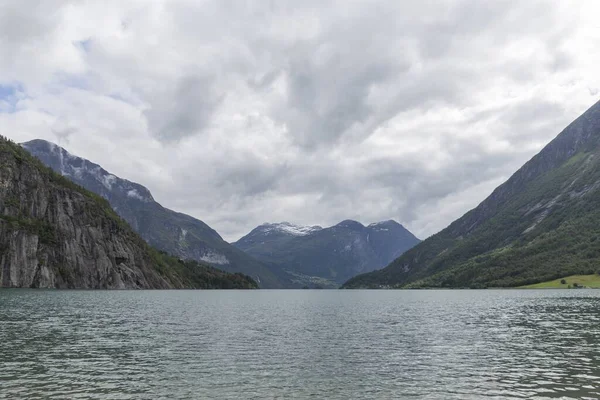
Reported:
(54, 234)
(167, 230)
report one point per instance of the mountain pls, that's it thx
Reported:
(262, 239)
(313, 256)
(167, 230)
(541, 224)
(55, 234)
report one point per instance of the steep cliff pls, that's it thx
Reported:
(175, 233)
(55, 234)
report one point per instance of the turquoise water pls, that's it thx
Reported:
(299, 344)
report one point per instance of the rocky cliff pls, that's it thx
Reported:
(175, 233)
(55, 234)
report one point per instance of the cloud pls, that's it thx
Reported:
(183, 110)
(312, 112)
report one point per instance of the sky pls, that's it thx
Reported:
(312, 112)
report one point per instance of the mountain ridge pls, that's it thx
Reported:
(492, 243)
(173, 232)
(286, 228)
(324, 257)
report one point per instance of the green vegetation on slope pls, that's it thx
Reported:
(23, 157)
(574, 281)
(199, 276)
(500, 253)
(542, 224)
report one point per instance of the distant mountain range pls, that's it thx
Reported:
(540, 225)
(276, 255)
(167, 230)
(313, 256)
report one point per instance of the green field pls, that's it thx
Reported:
(588, 281)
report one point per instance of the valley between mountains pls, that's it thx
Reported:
(67, 222)
(279, 255)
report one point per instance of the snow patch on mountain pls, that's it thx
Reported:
(63, 155)
(108, 181)
(213, 257)
(134, 194)
(383, 226)
(382, 223)
(182, 237)
(76, 172)
(290, 229)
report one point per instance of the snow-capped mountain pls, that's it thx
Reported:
(167, 230)
(315, 256)
(287, 229)
(382, 226)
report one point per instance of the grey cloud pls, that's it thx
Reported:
(249, 178)
(476, 87)
(24, 21)
(63, 133)
(25, 27)
(184, 110)
(331, 77)
(324, 103)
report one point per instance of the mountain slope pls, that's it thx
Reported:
(55, 234)
(167, 230)
(541, 224)
(264, 239)
(314, 256)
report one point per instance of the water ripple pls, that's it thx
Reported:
(281, 344)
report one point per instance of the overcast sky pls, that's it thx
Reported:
(243, 112)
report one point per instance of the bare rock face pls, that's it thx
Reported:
(175, 233)
(55, 234)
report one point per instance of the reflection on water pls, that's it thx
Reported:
(325, 344)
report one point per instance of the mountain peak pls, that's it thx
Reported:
(327, 256)
(288, 228)
(389, 222)
(351, 224)
(39, 143)
(85, 171)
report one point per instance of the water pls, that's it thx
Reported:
(299, 344)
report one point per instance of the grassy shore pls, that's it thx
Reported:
(588, 281)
